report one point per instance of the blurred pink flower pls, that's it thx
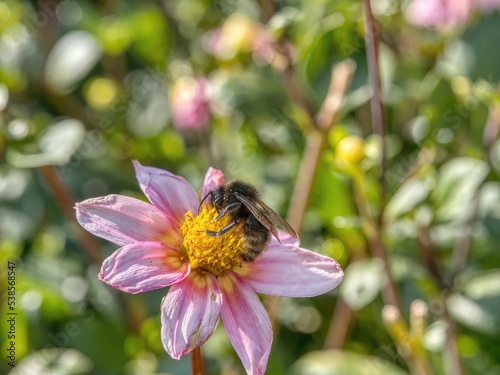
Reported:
(190, 104)
(487, 5)
(446, 14)
(439, 13)
(165, 244)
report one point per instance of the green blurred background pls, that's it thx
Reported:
(87, 86)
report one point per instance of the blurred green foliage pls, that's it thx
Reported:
(85, 87)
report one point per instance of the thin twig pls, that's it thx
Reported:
(373, 229)
(390, 291)
(374, 226)
(339, 82)
(268, 9)
(67, 203)
(343, 317)
(377, 110)
(292, 88)
(451, 349)
(378, 123)
(464, 243)
(407, 348)
(428, 252)
(315, 142)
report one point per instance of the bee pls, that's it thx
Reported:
(240, 201)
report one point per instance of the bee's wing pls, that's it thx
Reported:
(266, 215)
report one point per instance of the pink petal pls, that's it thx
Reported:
(213, 179)
(170, 193)
(124, 220)
(285, 238)
(189, 313)
(247, 323)
(143, 266)
(291, 271)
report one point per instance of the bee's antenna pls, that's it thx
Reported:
(203, 200)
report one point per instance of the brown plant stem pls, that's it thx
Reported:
(315, 143)
(376, 106)
(409, 349)
(428, 255)
(389, 292)
(197, 362)
(373, 230)
(342, 320)
(316, 139)
(374, 227)
(66, 202)
(428, 251)
(343, 316)
(268, 8)
(454, 361)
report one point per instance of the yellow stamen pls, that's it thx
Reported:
(211, 253)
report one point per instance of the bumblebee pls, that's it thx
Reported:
(240, 201)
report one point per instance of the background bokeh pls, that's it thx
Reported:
(413, 217)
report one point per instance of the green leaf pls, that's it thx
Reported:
(480, 315)
(54, 361)
(70, 60)
(337, 362)
(457, 185)
(56, 146)
(483, 284)
(362, 282)
(412, 192)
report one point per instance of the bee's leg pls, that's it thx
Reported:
(223, 230)
(228, 208)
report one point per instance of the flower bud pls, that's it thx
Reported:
(350, 150)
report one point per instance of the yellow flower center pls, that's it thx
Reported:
(215, 254)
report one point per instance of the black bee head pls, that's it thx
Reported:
(217, 197)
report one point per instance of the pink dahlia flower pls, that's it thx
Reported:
(165, 244)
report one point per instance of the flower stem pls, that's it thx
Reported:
(197, 361)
